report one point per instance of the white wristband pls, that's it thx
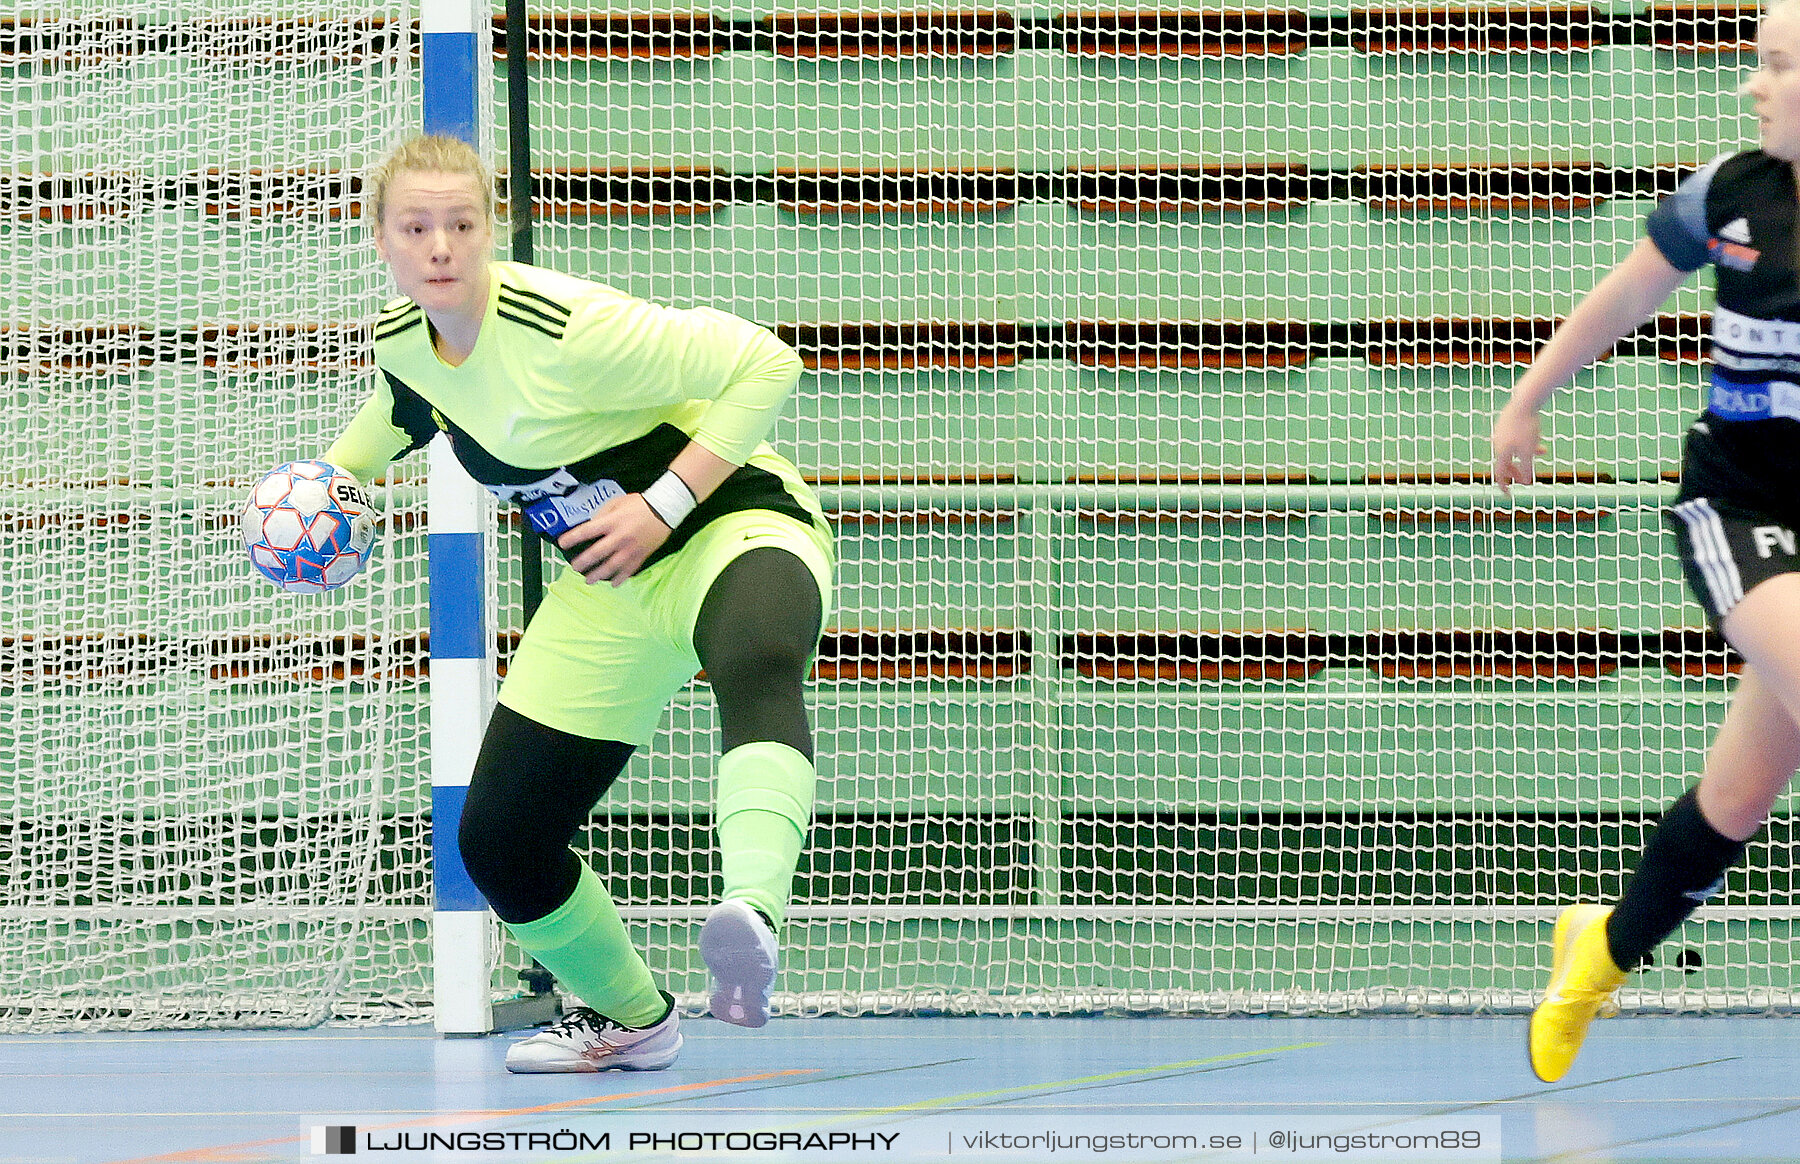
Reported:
(670, 499)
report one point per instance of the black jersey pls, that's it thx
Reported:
(1739, 214)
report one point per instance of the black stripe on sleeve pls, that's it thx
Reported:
(533, 324)
(550, 303)
(393, 330)
(556, 321)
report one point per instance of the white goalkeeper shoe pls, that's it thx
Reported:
(740, 950)
(586, 1040)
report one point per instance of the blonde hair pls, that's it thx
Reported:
(427, 154)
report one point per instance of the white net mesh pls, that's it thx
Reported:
(1182, 656)
(210, 805)
(1184, 659)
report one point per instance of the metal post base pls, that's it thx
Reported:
(538, 1007)
(526, 1011)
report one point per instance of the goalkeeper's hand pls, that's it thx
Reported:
(618, 538)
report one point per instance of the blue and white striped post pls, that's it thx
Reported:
(462, 662)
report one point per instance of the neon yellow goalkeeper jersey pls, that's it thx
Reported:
(572, 382)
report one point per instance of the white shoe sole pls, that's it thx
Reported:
(528, 1058)
(572, 1064)
(743, 957)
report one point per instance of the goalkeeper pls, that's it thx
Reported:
(632, 435)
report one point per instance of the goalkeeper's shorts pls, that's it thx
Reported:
(603, 661)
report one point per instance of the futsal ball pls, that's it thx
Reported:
(308, 527)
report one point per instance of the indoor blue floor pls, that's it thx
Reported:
(1032, 1089)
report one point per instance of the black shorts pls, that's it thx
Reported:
(1729, 538)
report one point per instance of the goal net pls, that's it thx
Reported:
(212, 794)
(1182, 657)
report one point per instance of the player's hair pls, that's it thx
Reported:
(1767, 10)
(428, 154)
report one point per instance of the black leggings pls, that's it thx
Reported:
(534, 787)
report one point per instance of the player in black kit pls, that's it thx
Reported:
(1735, 521)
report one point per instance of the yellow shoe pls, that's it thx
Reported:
(1582, 982)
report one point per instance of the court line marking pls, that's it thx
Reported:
(1110, 1079)
(857, 1114)
(653, 1108)
(1237, 1107)
(187, 1073)
(799, 1083)
(1162, 1027)
(928, 1104)
(83, 1039)
(1220, 1108)
(187, 1115)
(1075, 1090)
(1129, 1082)
(1400, 1121)
(1100, 1087)
(1544, 1091)
(421, 1111)
(440, 1119)
(1035, 1088)
(1579, 1153)
(1427, 1108)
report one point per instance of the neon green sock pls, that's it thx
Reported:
(765, 804)
(584, 943)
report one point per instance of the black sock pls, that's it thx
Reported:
(1683, 865)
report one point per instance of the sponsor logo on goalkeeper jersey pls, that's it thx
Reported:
(551, 516)
(555, 485)
(560, 501)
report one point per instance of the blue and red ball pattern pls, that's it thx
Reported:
(308, 527)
